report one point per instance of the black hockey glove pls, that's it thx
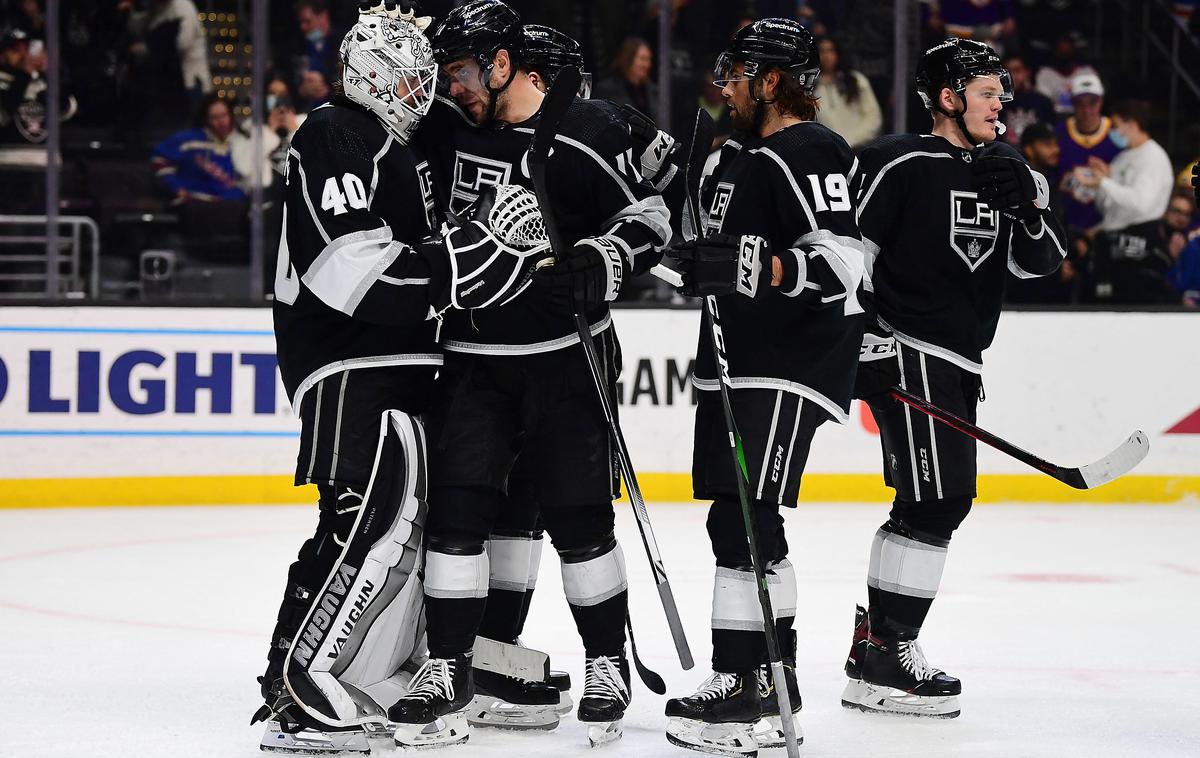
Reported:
(653, 145)
(722, 264)
(1009, 186)
(590, 274)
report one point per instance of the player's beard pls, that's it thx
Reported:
(744, 116)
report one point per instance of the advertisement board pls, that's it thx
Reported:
(106, 406)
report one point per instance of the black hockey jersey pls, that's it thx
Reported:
(793, 189)
(351, 291)
(593, 178)
(936, 254)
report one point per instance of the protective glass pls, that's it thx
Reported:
(725, 71)
(468, 74)
(1005, 93)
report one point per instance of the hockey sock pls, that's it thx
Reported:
(596, 587)
(456, 590)
(508, 558)
(905, 571)
(535, 562)
(783, 603)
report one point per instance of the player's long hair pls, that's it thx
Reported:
(793, 99)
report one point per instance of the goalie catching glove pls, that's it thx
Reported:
(1010, 186)
(722, 264)
(492, 255)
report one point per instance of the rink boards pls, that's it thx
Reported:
(128, 406)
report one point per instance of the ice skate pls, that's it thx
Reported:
(505, 702)
(897, 679)
(433, 712)
(719, 717)
(858, 642)
(606, 694)
(291, 730)
(768, 732)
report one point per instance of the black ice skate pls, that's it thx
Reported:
(505, 702)
(432, 714)
(291, 730)
(768, 733)
(719, 717)
(858, 643)
(897, 679)
(606, 694)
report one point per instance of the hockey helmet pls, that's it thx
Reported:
(478, 30)
(771, 43)
(953, 64)
(390, 71)
(548, 50)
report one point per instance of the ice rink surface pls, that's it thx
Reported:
(138, 633)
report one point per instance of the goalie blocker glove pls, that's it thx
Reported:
(1010, 186)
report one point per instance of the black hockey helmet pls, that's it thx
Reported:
(478, 29)
(771, 43)
(953, 64)
(548, 50)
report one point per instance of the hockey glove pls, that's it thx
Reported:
(722, 264)
(1010, 186)
(653, 145)
(590, 274)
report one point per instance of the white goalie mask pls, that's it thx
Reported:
(389, 69)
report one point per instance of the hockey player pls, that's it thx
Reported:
(782, 256)
(516, 382)
(355, 292)
(944, 216)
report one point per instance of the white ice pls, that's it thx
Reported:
(138, 632)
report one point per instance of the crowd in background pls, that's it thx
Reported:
(148, 76)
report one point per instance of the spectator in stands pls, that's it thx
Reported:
(1136, 187)
(847, 104)
(1054, 79)
(629, 82)
(1134, 265)
(1184, 274)
(989, 21)
(173, 42)
(1028, 106)
(711, 100)
(281, 125)
(321, 43)
(1081, 137)
(1039, 144)
(196, 165)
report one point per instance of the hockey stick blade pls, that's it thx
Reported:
(649, 677)
(554, 108)
(1116, 464)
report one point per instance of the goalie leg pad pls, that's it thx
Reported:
(378, 564)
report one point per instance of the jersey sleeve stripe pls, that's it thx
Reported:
(349, 265)
(650, 212)
(621, 183)
(812, 220)
(801, 275)
(307, 198)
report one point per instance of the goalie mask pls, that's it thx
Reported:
(390, 71)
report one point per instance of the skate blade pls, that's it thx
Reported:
(768, 732)
(451, 729)
(876, 699)
(565, 704)
(737, 740)
(312, 742)
(603, 732)
(492, 713)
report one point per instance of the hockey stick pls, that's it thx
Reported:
(701, 142)
(555, 106)
(1116, 464)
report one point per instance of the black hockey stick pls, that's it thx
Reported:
(701, 144)
(554, 107)
(1116, 464)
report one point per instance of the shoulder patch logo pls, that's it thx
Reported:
(720, 204)
(973, 228)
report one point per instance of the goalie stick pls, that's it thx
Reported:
(554, 107)
(701, 143)
(1116, 464)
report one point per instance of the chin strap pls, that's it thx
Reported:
(494, 94)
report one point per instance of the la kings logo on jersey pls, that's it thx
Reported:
(973, 228)
(720, 204)
(425, 177)
(471, 174)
